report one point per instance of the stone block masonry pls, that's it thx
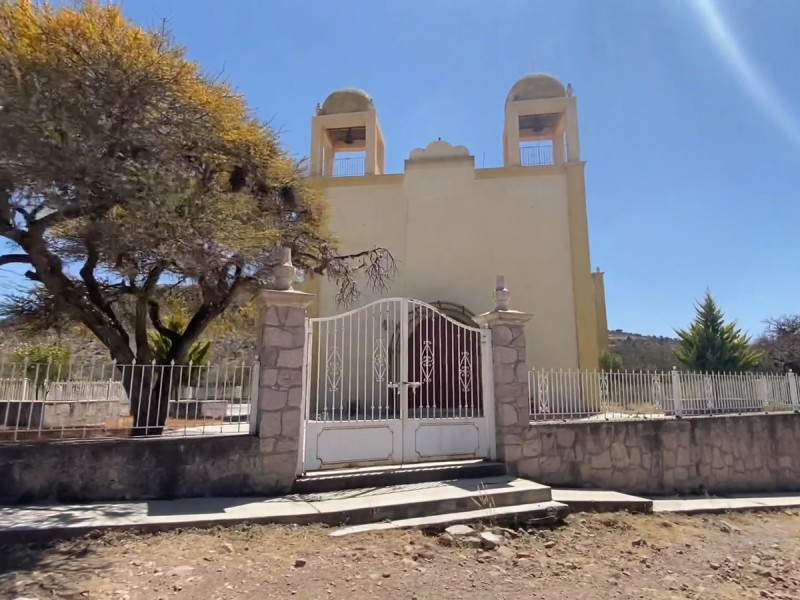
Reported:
(135, 469)
(718, 455)
(261, 464)
(282, 350)
(510, 374)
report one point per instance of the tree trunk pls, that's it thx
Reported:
(148, 388)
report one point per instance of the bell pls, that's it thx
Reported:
(348, 137)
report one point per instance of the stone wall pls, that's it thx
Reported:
(136, 469)
(732, 454)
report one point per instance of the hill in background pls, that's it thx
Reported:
(643, 352)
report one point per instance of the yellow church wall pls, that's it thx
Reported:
(452, 229)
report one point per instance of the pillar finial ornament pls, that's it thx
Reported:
(501, 295)
(285, 272)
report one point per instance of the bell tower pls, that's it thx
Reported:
(541, 123)
(346, 139)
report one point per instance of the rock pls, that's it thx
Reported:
(549, 544)
(425, 553)
(491, 540)
(726, 527)
(639, 542)
(457, 530)
(228, 547)
(181, 571)
(470, 541)
(299, 563)
(506, 552)
(714, 566)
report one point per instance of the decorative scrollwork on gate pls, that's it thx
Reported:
(465, 371)
(543, 392)
(426, 361)
(604, 392)
(380, 359)
(333, 368)
(708, 392)
(658, 391)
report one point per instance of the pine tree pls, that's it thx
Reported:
(710, 344)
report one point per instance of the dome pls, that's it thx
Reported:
(536, 87)
(346, 101)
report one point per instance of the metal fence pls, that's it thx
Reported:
(103, 399)
(352, 166)
(536, 154)
(599, 395)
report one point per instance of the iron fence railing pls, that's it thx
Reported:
(536, 155)
(104, 399)
(348, 167)
(598, 395)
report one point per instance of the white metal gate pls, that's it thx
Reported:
(396, 382)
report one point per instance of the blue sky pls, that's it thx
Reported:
(689, 116)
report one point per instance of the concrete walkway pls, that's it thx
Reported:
(719, 505)
(356, 506)
(347, 506)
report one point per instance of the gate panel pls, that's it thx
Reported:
(446, 397)
(395, 381)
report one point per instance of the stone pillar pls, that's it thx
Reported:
(510, 370)
(282, 352)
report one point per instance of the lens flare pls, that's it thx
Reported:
(750, 79)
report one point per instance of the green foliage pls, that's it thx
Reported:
(43, 362)
(161, 348)
(161, 345)
(609, 362)
(710, 344)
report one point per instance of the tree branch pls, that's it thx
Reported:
(8, 259)
(208, 311)
(158, 324)
(93, 286)
(143, 353)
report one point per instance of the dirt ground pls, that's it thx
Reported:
(590, 556)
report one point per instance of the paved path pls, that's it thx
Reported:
(77, 519)
(325, 507)
(716, 505)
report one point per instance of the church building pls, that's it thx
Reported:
(452, 227)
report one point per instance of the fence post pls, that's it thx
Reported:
(281, 383)
(677, 396)
(793, 395)
(252, 417)
(512, 408)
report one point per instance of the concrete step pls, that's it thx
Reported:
(484, 498)
(407, 501)
(348, 479)
(538, 513)
(602, 501)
